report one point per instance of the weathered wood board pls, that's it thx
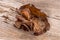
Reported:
(9, 32)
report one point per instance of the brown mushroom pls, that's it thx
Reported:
(32, 19)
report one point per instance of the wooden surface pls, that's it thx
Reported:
(9, 32)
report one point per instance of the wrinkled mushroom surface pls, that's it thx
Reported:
(32, 19)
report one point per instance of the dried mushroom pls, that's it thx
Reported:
(32, 19)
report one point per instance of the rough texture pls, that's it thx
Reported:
(32, 19)
(9, 32)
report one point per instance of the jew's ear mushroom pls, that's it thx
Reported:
(31, 18)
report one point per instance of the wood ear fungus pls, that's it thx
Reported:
(32, 19)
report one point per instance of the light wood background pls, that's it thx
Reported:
(9, 32)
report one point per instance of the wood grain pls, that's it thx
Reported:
(9, 32)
